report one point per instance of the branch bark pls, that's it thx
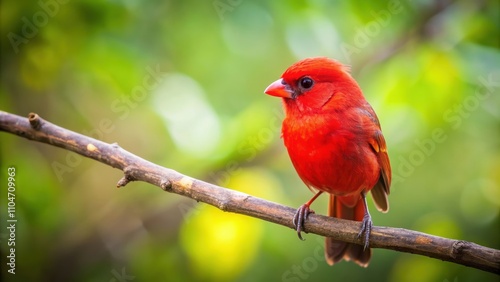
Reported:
(138, 169)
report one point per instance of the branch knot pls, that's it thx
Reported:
(166, 185)
(126, 178)
(457, 248)
(35, 121)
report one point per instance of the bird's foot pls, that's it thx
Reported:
(366, 227)
(300, 217)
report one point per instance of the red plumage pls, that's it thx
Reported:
(335, 143)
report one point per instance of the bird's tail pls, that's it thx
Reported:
(335, 250)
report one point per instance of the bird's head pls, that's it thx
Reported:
(314, 83)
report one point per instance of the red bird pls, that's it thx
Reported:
(335, 143)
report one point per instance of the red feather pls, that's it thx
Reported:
(335, 143)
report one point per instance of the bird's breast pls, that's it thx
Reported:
(330, 155)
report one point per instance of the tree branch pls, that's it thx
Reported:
(138, 169)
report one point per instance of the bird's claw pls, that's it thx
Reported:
(366, 227)
(300, 217)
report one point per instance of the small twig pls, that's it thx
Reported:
(138, 169)
(34, 120)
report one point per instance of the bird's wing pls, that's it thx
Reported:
(382, 188)
(377, 142)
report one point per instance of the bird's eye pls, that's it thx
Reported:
(306, 82)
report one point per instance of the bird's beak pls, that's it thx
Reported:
(278, 89)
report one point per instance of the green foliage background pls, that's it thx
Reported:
(181, 83)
